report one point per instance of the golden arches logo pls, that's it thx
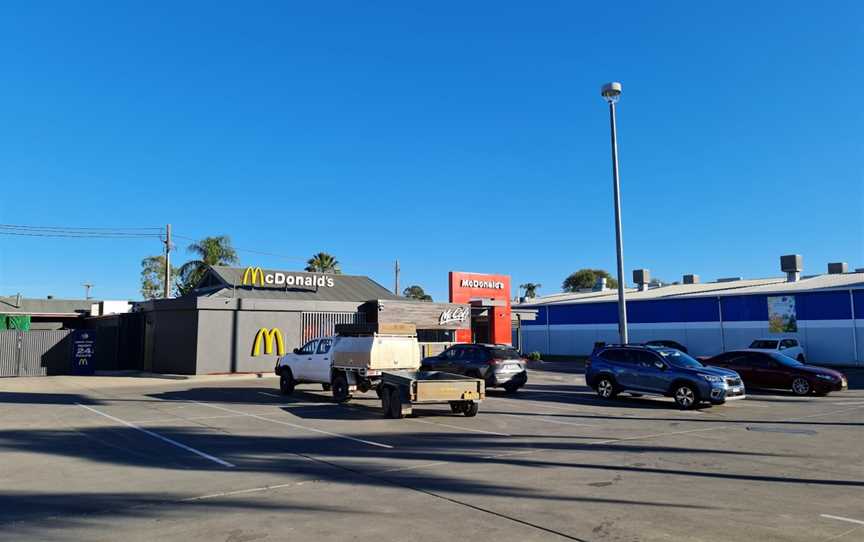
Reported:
(268, 337)
(252, 274)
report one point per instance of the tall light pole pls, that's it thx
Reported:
(611, 92)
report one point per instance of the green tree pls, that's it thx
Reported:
(323, 263)
(587, 278)
(530, 289)
(210, 251)
(416, 292)
(153, 277)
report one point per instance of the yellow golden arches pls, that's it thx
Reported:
(252, 274)
(268, 336)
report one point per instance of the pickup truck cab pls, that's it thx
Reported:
(789, 347)
(308, 364)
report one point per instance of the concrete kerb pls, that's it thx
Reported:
(111, 379)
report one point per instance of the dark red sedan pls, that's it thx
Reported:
(776, 371)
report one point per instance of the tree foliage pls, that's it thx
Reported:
(210, 251)
(416, 292)
(587, 278)
(530, 289)
(153, 277)
(323, 263)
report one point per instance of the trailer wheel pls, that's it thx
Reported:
(457, 407)
(471, 409)
(395, 404)
(384, 394)
(340, 388)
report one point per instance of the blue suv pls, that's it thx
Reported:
(638, 370)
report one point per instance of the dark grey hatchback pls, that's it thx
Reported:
(499, 365)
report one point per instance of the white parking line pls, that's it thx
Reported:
(160, 437)
(269, 394)
(655, 435)
(840, 518)
(458, 427)
(181, 419)
(242, 491)
(296, 426)
(549, 420)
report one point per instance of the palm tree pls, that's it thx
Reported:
(530, 289)
(323, 263)
(211, 251)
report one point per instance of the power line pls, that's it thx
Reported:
(74, 228)
(79, 236)
(78, 232)
(283, 256)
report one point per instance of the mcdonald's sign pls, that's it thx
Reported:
(268, 336)
(253, 274)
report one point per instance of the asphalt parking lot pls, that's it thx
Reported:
(106, 458)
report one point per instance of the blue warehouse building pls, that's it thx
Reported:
(824, 312)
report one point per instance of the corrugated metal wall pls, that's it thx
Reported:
(32, 353)
(322, 324)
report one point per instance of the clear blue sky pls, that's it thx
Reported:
(452, 135)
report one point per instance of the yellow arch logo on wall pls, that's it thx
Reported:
(268, 336)
(253, 274)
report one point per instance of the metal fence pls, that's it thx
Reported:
(33, 353)
(322, 324)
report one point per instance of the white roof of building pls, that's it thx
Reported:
(777, 285)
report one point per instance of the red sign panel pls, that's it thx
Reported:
(467, 287)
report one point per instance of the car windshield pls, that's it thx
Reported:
(505, 353)
(676, 358)
(786, 360)
(764, 344)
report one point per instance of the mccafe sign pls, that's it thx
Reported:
(254, 276)
(454, 315)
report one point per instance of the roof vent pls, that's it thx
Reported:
(600, 285)
(50, 297)
(730, 279)
(690, 279)
(642, 278)
(792, 265)
(837, 268)
(18, 300)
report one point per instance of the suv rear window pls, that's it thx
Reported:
(764, 344)
(505, 353)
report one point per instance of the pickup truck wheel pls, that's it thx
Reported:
(385, 402)
(606, 388)
(286, 382)
(395, 404)
(340, 388)
(686, 397)
(471, 409)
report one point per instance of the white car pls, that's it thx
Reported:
(788, 347)
(310, 364)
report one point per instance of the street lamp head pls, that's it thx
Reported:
(611, 92)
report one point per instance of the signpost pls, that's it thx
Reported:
(83, 351)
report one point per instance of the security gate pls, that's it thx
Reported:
(32, 353)
(322, 324)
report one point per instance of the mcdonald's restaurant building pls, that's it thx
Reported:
(241, 319)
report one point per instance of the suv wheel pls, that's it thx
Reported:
(686, 396)
(800, 386)
(606, 388)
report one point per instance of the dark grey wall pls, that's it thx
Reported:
(173, 341)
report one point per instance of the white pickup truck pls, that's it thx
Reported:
(387, 363)
(346, 364)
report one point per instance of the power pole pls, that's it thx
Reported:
(396, 271)
(87, 287)
(167, 261)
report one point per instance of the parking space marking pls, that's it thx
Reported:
(160, 437)
(460, 428)
(655, 435)
(181, 419)
(268, 394)
(243, 491)
(840, 518)
(296, 426)
(549, 420)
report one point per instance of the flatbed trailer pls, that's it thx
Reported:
(401, 390)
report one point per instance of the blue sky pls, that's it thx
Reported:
(452, 135)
